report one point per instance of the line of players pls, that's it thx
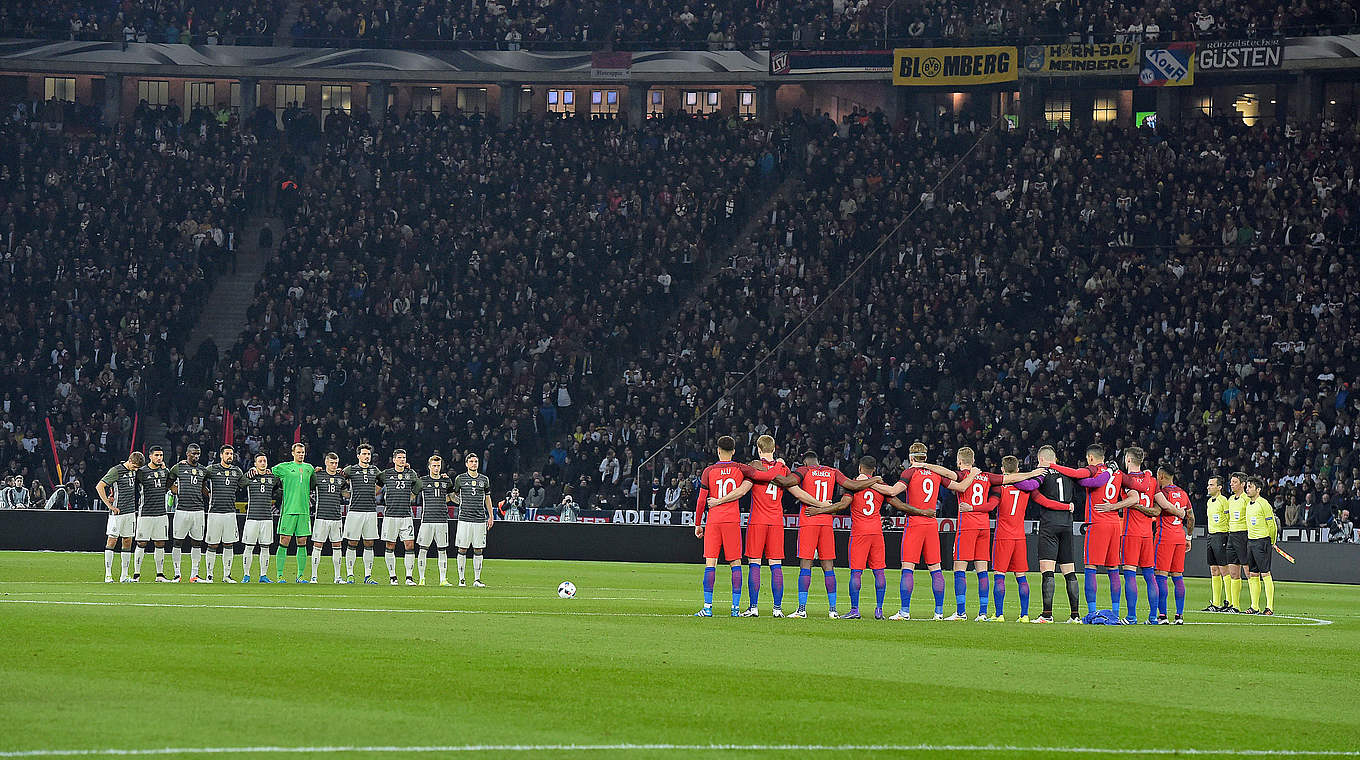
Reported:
(1138, 525)
(344, 501)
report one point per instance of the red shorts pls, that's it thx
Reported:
(866, 552)
(1170, 556)
(764, 541)
(973, 545)
(921, 544)
(724, 536)
(1011, 556)
(1102, 545)
(1136, 551)
(816, 542)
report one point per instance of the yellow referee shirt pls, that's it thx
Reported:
(1260, 519)
(1237, 512)
(1217, 507)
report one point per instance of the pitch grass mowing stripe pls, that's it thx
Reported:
(1257, 621)
(533, 748)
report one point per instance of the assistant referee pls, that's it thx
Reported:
(1217, 510)
(1237, 539)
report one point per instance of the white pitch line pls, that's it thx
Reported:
(237, 594)
(535, 748)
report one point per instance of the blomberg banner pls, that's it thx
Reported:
(1168, 65)
(1101, 58)
(937, 67)
(786, 62)
(1239, 55)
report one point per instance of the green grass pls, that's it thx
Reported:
(156, 666)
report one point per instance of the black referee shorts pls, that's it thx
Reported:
(1055, 541)
(1218, 549)
(1258, 555)
(1237, 547)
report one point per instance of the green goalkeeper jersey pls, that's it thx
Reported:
(297, 487)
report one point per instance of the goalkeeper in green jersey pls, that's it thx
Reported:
(295, 515)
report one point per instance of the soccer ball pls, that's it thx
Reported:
(567, 590)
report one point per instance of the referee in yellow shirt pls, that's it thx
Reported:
(1237, 539)
(1217, 509)
(1262, 532)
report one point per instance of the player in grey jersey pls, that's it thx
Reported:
(186, 483)
(473, 490)
(329, 489)
(434, 492)
(398, 492)
(262, 486)
(221, 483)
(152, 522)
(118, 490)
(361, 523)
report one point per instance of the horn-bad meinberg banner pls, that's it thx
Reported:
(1099, 58)
(943, 67)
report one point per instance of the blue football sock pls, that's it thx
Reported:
(1000, 593)
(829, 577)
(960, 589)
(1154, 594)
(1161, 594)
(1090, 573)
(1023, 584)
(880, 587)
(983, 583)
(777, 583)
(736, 586)
(937, 586)
(856, 579)
(1131, 593)
(804, 583)
(753, 582)
(1113, 574)
(1180, 594)
(908, 585)
(710, 574)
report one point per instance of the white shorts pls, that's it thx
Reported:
(471, 534)
(326, 530)
(434, 533)
(190, 524)
(258, 532)
(153, 528)
(122, 526)
(361, 525)
(398, 529)
(222, 528)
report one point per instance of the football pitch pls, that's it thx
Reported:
(332, 671)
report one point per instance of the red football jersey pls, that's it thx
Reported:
(866, 513)
(820, 482)
(1110, 493)
(1172, 528)
(923, 492)
(975, 496)
(1010, 512)
(767, 499)
(1136, 523)
(719, 480)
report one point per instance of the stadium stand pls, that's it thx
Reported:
(182, 21)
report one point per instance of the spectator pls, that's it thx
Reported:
(1341, 530)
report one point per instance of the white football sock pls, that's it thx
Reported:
(175, 555)
(228, 552)
(391, 558)
(424, 558)
(108, 562)
(350, 556)
(159, 554)
(410, 562)
(137, 555)
(443, 567)
(264, 560)
(211, 561)
(126, 560)
(368, 561)
(462, 565)
(248, 560)
(316, 561)
(195, 555)
(476, 567)
(335, 560)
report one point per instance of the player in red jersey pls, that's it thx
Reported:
(921, 539)
(722, 533)
(866, 539)
(815, 539)
(1174, 527)
(973, 532)
(1136, 546)
(765, 529)
(1104, 499)
(1010, 554)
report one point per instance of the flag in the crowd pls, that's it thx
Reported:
(56, 459)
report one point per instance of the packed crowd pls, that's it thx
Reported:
(198, 22)
(442, 281)
(110, 242)
(1188, 291)
(511, 24)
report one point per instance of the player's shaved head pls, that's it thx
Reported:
(965, 456)
(1095, 450)
(727, 444)
(810, 457)
(1165, 475)
(867, 465)
(1010, 464)
(765, 444)
(917, 452)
